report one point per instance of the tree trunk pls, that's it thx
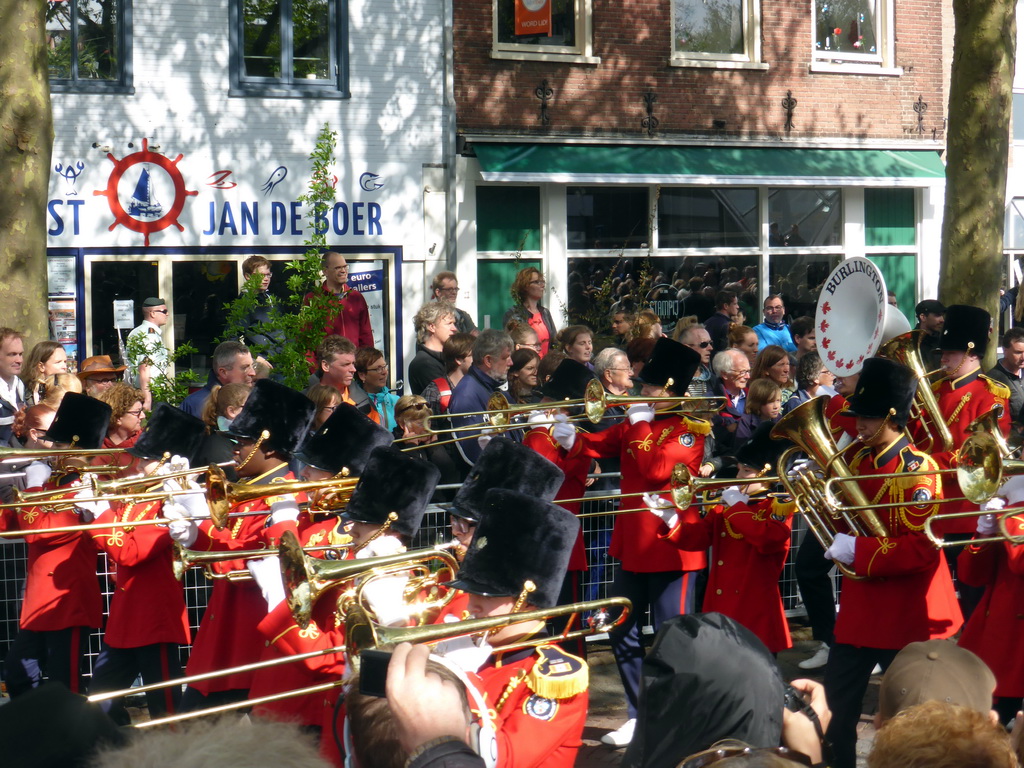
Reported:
(26, 142)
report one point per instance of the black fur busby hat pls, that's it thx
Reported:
(280, 410)
(505, 463)
(346, 439)
(393, 481)
(966, 325)
(169, 430)
(760, 450)
(885, 388)
(568, 382)
(671, 365)
(520, 538)
(81, 420)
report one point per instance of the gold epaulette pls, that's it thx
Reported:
(784, 507)
(557, 674)
(996, 387)
(936, 385)
(697, 426)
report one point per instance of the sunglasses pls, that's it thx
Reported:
(160, 312)
(702, 345)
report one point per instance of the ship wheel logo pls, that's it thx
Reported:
(145, 213)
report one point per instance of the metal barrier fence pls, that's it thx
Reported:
(595, 582)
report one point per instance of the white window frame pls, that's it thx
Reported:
(581, 53)
(749, 59)
(881, 63)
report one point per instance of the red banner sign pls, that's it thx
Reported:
(533, 17)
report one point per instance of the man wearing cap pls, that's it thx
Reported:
(748, 534)
(267, 431)
(12, 389)
(538, 695)
(145, 342)
(902, 592)
(654, 572)
(930, 319)
(148, 620)
(62, 602)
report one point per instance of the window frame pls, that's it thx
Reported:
(581, 53)
(124, 84)
(882, 63)
(749, 59)
(241, 86)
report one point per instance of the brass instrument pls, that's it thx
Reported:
(9, 455)
(906, 349)
(988, 423)
(596, 402)
(307, 578)
(183, 559)
(362, 633)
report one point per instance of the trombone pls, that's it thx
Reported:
(11, 455)
(596, 402)
(183, 559)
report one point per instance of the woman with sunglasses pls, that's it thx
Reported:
(697, 338)
(126, 421)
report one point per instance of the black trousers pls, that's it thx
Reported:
(58, 654)
(815, 584)
(192, 699)
(117, 668)
(846, 680)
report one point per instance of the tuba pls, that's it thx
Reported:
(906, 349)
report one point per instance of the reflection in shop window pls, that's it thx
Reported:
(694, 217)
(558, 27)
(847, 30)
(673, 287)
(201, 289)
(607, 217)
(799, 278)
(89, 45)
(804, 217)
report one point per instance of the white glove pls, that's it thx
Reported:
(91, 509)
(662, 509)
(640, 412)
(386, 598)
(177, 463)
(538, 418)
(266, 572)
(1013, 489)
(994, 504)
(382, 545)
(843, 549)
(464, 651)
(564, 434)
(485, 437)
(804, 465)
(194, 503)
(732, 496)
(181, 527)
(284, 510)
(844, 440)
(37, 473)
(987, 525)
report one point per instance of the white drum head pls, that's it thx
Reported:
(850, 318)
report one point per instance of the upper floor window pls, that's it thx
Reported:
(715, 33)
(289, 48)
(553, 30)
(851, 32)
(89, 45)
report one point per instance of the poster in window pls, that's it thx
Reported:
(533, 17)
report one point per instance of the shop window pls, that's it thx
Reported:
(608, 218)
(716, 32)
(89, 45)
(1018, 118)
(508, 219)
(695, 217)
(289, 48)
(201, 289)
(117, 280)
(804, 217)
(543, 29)
(889, 217)
(799, 277)
(852, 32)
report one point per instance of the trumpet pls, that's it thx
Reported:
(362, 633)
(906, 349)
(596, 402)
(307, 578)
(183, 559)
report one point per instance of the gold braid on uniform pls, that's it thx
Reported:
(264, 435)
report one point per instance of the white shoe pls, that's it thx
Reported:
(622, 736)
(818, 660)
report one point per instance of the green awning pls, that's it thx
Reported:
(607, 164)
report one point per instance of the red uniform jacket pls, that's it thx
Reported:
(647, 452)
(148, 605)
(575, 466)
(61, 587)
(351, 317)
(840, 421)
(994, 629)
(539, 696)
(749, 543)
(228, 634)
(961, 401)
(906, 593)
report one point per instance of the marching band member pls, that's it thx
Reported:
(748, 534)
(654, 572)
(148, 619)
(904, 592)
(267, 431)
(536, 695)
(62, 602)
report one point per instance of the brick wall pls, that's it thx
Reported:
(633, 40)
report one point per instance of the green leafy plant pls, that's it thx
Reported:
(164, 387)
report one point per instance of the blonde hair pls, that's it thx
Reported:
(222, 397)
(643, 326)
(55, 387)
(411, 409)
